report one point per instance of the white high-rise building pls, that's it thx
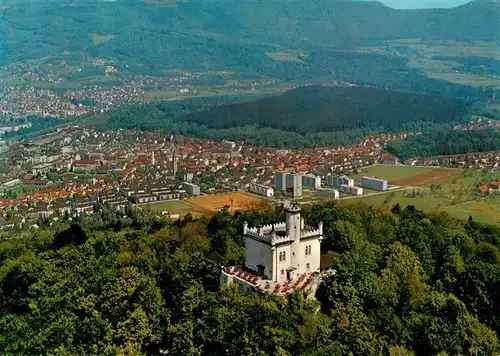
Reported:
(280, 181)
(293, 185)
(310, 180)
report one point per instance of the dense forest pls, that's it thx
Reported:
(304, 117)
(313, 109)
(408, 284)
(446, 142)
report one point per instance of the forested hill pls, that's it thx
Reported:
(325, 109)
(304, 117)
(446, 142)
(231, 35)
(109, 284)
(54, 26)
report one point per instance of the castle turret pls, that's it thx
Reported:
(293, 229)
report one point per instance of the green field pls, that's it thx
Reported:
(466, 79)
(172, 206)
(456, 197)
(420, 54)
(484, 211)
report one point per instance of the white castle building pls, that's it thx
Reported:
(279, 258)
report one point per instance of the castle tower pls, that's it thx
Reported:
(293, 230)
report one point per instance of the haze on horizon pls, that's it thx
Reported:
(422, 4)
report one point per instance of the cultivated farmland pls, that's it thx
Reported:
(409, 176)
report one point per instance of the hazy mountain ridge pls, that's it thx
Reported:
(50, 28)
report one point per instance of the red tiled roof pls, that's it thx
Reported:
(483, 188)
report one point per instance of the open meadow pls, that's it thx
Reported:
(172, 206)
(409, 176)
(455, 196)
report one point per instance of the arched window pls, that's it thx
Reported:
(284, 256)
(281, 256)
(307, 250)
(310, 250)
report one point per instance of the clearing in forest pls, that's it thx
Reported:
(98, 39)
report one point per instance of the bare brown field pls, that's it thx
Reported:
(438, 176)
(235, 201)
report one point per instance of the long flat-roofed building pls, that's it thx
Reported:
(328, 193)
(373, 183)
(261, 189)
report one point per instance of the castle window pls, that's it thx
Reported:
(308, 265)
(281, 256)
(307, 250)
(284, 256)
(282, 272)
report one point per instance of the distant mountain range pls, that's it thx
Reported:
(155, 30)
(299, 41)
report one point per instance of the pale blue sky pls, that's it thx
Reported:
(419, 4)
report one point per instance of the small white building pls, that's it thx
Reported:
(351, 189)
(261, 189)
(328, 193)
(279, 258)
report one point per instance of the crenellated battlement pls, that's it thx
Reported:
(292, 206)
(266, 229)
(259, 236)
(276, 239)
(310, 233)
